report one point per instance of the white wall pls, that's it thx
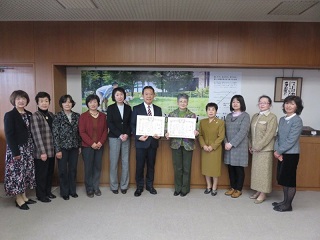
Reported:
(255, 82)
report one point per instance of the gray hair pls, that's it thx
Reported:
(183, 95)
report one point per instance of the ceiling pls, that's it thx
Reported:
(160, 10)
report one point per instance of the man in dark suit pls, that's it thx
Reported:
(146, 146)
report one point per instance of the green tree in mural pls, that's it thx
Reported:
(173, 81)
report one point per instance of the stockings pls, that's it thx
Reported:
(286, 204)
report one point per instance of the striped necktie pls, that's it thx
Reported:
(149, 111)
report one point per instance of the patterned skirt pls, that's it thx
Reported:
(19, 174)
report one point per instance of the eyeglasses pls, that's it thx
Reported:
(263, 103)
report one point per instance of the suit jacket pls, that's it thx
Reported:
(287, 140)
(141, 110)
(16, 130)
(116, 124)
(42, 135)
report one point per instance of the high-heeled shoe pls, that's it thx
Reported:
(23, 206)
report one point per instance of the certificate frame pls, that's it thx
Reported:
(150, 125)
(287, 86)
(181, 127)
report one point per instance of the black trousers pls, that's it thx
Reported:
(236, 177)
(145, 156)
(44, 172)
(67, 167)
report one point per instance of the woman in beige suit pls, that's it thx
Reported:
(262, 136)
(211, 135)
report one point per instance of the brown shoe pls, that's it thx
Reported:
(229, 192)
(236, 194)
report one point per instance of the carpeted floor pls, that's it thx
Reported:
(161, 216)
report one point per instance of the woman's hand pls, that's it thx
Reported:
(44, 157)
(227, 146)
(17, 157)
(59, 155)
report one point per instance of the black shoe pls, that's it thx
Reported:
(138, 192)
(90, 194)
(115, 191)
(74, 195)
(282, 208)
(151, 190)
(183, 194)
(65, 197)
(123, 191)
(176, 193)
(208, 190)
(214, 192)
(23, 206)
(30, 201)
(44, 199)
(97, 192)
(51, 195)
(275, 204)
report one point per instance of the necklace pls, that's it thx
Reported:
(94, 114)
(43, 115)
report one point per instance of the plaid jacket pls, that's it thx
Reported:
(42, 135)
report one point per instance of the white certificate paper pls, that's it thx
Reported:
(150, 125)
(181, 127)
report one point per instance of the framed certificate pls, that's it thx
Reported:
(150, 125)
(181, 127)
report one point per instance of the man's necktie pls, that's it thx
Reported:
(149, 111)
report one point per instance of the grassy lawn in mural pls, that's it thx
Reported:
(168, 104)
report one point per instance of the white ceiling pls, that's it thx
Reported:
(160, 10)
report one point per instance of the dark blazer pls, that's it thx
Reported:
(16, 130)
(42, 135)
(116, 124)
(141, 110)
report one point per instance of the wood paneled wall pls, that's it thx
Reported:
(48, 47)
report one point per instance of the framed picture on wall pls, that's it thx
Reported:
(287, 86)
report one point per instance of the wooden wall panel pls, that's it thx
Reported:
(125, 42)
(60, 85)
(247, 43)
(298, 44)
(16, 42)
(186, 42)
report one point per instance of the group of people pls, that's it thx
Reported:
(35, 140)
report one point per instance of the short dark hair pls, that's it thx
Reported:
(242, 103)
(265, 96)
(118, 89)
(114, 83)
(65, 98)
(298, 102)
(42, 95)
(211, 104)
(147, 87)
(92, 97)
(18, 93)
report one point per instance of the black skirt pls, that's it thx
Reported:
(287, 170)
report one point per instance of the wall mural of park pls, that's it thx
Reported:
(167, 85)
